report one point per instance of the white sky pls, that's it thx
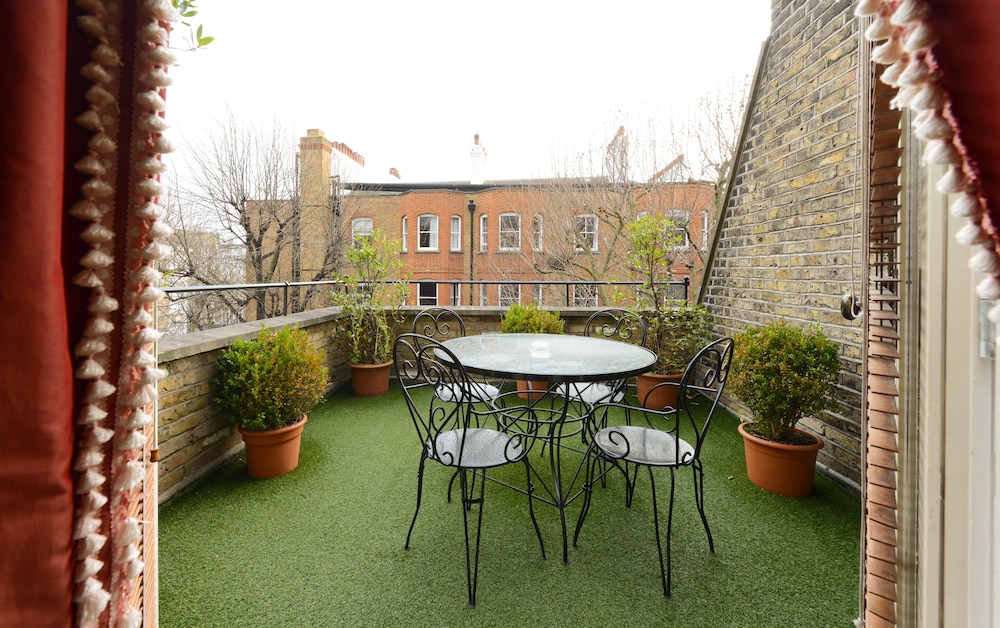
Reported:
(407, 84)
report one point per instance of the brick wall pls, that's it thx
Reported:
(791, 232)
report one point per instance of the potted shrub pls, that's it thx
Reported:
(370, 301)
(676, 331)
(265, 386)
(530, 319)
(782, 373)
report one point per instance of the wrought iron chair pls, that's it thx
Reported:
(441, 323)
(659, 443)
(617, 324)
(454, 435)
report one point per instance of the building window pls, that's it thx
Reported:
(427, 293)
(585, 295)
(483, 230)
(427, 233)
(405, 228)
(483, 295)
(679, 232)
(456, 233)
(538, 293)
(536, 232)
(510, 294)
(586, 233)
(456, 294)
(361, 228)
(704, 230)
(510, 232)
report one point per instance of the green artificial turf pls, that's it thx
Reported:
(323, 545)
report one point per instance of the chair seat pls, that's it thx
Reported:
(483, 449)
(596, 392)
(642, 445)
(456, 393)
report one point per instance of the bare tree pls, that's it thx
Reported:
(713, 130)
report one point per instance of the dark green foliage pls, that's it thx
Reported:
(270, 381)
(530, 319)
(676, 335)
(783, 373)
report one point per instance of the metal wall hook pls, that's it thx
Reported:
(850, 308)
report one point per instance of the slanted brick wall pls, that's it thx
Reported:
(792, 232)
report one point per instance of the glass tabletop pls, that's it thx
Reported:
(550, 357)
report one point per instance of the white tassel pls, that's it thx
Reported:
(134, 569)
(151, 294)
(93, 501)
(96, 188)
(156, 78)
(87, 568)
(91, 544)
(91, 602)
(989, 288)
(162, 10)
(131, 476)
(868, 7)
(934, 127)
(972, 234)
(85, 210)
(141, 396)
(145, 336)
(994, 314)
(149, 211)
(90, 165)
(159, 229)
(903, 97)
(153, 124)
(879, 29)
(141, 317)
(105, 55)
(91, 414)
(89, 120)
(153, 34)
(96, 233)
(87, 458)
(156, 251)
(89, 347)
(96, 73)
(160, 56)
(102, 304)
(87, 278)
(150, 377)
(150, 99)
(126, 554)
(102, 144)
(985, 261)
(888, 52)
(98, 389)
(129, 618)
(921, 38)
(151, 165)
(930, 96)
(941, 152)
(966, 205)
(97, 436)
(150, 187)
(147, 274)
(138, 419)
(141, 359)
(910, 11)
(131, 440)
(91, 25)
(915, 73)
(89, 369)
(96, 259)
(890, 76)
(98, 326)
(87, 524)
(88, 481)
(97, 95)
(163, 145)
(128, 532)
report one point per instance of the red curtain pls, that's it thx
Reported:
(36, 365)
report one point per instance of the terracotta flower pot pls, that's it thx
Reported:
(524, 392)
(273, 452)
(665, 396)
(786, 470)
(370, 380)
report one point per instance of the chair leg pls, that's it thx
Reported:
(531, 506)
(587, 493)
(664, 570)
(699, 499)
(420, 490)
(451, 483)
(470, 499)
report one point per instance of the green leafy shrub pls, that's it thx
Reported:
(676, 335)
(530, 319)
(270, 381)
(371, 301)
(781, 374)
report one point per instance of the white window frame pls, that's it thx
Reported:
(359, 230)
(680, 218)
(538, 293)
(583, 231)
(484, 229)
(404, 227)
(585, 295)
(432, 232)
(537, 233)
(456, 294)
(427, 299)
(483, 295)
(455, 240)
(509, 238)
(508, 294)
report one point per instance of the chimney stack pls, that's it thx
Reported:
(478, 162)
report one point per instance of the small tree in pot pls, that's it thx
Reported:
(783, 373)
(530, 319)
(370, 301)
(265, 386)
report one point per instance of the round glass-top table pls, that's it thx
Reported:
(550, 357)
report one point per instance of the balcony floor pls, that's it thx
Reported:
(323, 545)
